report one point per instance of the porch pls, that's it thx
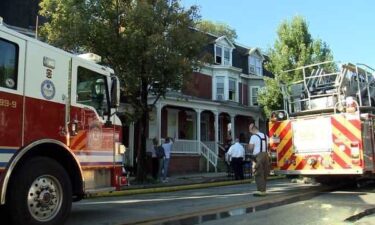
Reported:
(201, 132)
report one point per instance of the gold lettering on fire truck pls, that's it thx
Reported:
(95, 136)
(8, 103)
(49, 73)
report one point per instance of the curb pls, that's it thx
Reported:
(172, 188)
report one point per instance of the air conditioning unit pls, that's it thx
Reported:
(219, 97)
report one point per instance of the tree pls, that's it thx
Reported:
(150, 44)
(293, 48)
(218, 29)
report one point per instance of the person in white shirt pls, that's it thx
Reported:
(259, 144)
(167, 151)
(236, 153)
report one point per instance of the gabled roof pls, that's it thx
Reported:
(256, 50)
(226, 40)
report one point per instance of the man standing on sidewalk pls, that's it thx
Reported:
(259, 144)
(167, 152)
(236, 153)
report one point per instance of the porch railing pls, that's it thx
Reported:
(207, 149)
(210, 145)
(210, 155)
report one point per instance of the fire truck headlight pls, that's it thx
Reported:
(280, 115)
(120, 148)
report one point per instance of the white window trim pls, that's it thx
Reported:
(215, 88)
(257, 57)
(226, 88)
(251, 95)
(222, 54)
(236, 89)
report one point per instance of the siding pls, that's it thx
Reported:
(200, 86)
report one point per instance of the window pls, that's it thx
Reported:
(8, 64)
(222, 52)
(254, 96)
(218, 55)
(220, 88)
(92, 90)
(232, 90)
(226, 56)
(255, 65)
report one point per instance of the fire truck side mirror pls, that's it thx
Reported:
(115, 92)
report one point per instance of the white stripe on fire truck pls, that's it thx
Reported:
(97, 158)
(5, 155)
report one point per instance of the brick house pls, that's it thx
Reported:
(216, 105)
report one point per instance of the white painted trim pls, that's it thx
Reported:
(251, 95)
(257, 57)
(219, 39)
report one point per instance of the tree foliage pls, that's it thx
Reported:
(218, 29)
(149, 43)
(293, 48)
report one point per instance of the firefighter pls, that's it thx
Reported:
(258, 145)
(237, 154)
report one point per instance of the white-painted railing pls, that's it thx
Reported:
(179, 146)
(210, 155)
(211, 145)
(193, 147)
(185, 147)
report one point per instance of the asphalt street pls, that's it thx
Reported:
(162, 207)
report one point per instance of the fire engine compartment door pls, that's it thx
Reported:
(12, 67)
(312, 135)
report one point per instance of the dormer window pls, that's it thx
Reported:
(218, 54)
(255, 65)
(223, 55)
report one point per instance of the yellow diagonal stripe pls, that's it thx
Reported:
(354, 130)
(342, 155)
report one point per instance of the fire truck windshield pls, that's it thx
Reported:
(92, 90)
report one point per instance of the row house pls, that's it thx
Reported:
(215, 106)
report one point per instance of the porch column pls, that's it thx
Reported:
(232, 117)
(256, 121)
(131, 145)
(159, 106)
(216, 131)
(198, 111)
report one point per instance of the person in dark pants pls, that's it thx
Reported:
(259, 144)
(236, 153)
(155, 159)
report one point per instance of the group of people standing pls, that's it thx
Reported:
(161, 155)
(258, 145)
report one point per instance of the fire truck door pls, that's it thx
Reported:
(46, 88)
(12, 65)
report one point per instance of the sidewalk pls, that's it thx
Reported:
(184, 179)
(177, 183)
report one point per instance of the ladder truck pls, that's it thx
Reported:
(326, 129)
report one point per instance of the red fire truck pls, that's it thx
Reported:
(60, 137)
(326, 129)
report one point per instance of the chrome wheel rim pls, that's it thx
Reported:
(44, 198)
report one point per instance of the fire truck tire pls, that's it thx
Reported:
(40, 193)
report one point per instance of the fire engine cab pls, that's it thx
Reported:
(326, 129)
(60, 137)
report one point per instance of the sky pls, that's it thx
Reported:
(347, 26)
